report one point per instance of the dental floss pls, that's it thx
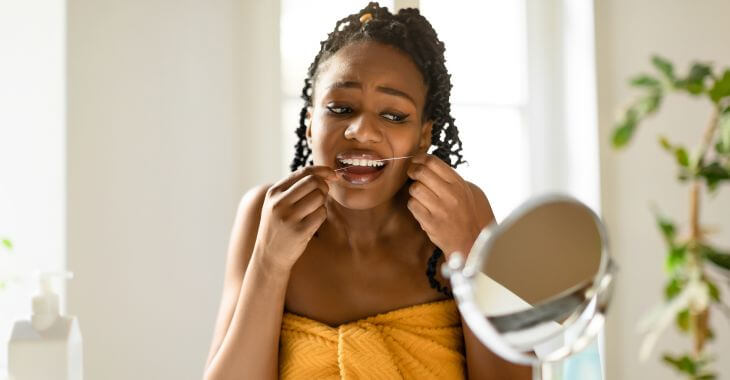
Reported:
(384, 159)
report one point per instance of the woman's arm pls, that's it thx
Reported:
(250, 347)
(481, 362)
(245, 342)
(276, 233)
(240, 248)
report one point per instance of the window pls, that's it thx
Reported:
(32, 154)
(485, 55)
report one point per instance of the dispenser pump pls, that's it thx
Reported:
(45, 303)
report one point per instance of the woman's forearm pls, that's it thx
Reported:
(250, 347)
(483, 364)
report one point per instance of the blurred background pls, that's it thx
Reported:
(129, 130)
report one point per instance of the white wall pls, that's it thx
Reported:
(171, 117)
(627, 33)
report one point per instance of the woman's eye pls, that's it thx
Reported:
(339, 110)
(394, 117)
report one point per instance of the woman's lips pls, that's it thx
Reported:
(360, 175)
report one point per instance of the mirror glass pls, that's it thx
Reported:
(529, 288)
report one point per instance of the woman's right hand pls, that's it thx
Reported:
(293, 210)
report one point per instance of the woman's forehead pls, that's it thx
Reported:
(373, 65)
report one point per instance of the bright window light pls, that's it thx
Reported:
(486, 57)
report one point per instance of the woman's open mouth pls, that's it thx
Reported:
(360, 171)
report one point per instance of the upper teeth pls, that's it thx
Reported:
(362, 162)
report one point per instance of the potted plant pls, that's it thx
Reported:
(693, 264)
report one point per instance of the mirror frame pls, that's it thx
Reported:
(588, 319)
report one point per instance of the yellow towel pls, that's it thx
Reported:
(418, 342)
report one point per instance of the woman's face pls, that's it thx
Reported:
(367, 104)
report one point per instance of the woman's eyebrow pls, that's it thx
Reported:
(383, 89)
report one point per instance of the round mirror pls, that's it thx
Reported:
(534, 288)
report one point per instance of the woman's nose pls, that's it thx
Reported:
(364, 129)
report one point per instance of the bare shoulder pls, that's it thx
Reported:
(253, 198)
(246, 224)
(248, 216)
(483, 208)
(244, 231)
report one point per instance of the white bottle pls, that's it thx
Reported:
(48, 347)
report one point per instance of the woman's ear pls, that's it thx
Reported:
(424, 141)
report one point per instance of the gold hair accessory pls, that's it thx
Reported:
(365, 18)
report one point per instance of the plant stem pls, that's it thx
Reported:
(708, 136)
(694, 212)
(699, 318)
(700, 324)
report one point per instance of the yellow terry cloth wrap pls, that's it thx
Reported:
(417, 342)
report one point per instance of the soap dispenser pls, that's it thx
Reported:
(48, 347)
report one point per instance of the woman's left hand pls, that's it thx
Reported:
(443, 204)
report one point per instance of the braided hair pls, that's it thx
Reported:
(410, 32)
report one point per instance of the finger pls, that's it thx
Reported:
(308, 204)
(315, 219)
(425, 196)
(318, 170)
(438, 166)
(420, 212)
(303, 187)
(429, 178)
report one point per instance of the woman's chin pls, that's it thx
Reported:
(355, 202)
(366, 197)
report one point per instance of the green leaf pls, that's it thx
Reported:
(665, 67)
(714, 291)
(7, 243)
(673, 287)
(675, 258)
(644, 80)
(665, 143)
(683, 320)
(721, 88)
(699, 71)
(720, 148)
(714, 173)
(666, 226)
(716, 257)
(625, 129)
(695, 81)
(679, 152)
(723, 143)
(683, 364)
(682, 157)
(648, 104)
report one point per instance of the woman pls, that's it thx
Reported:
(332, 273)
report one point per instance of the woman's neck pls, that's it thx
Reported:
(363, 230)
